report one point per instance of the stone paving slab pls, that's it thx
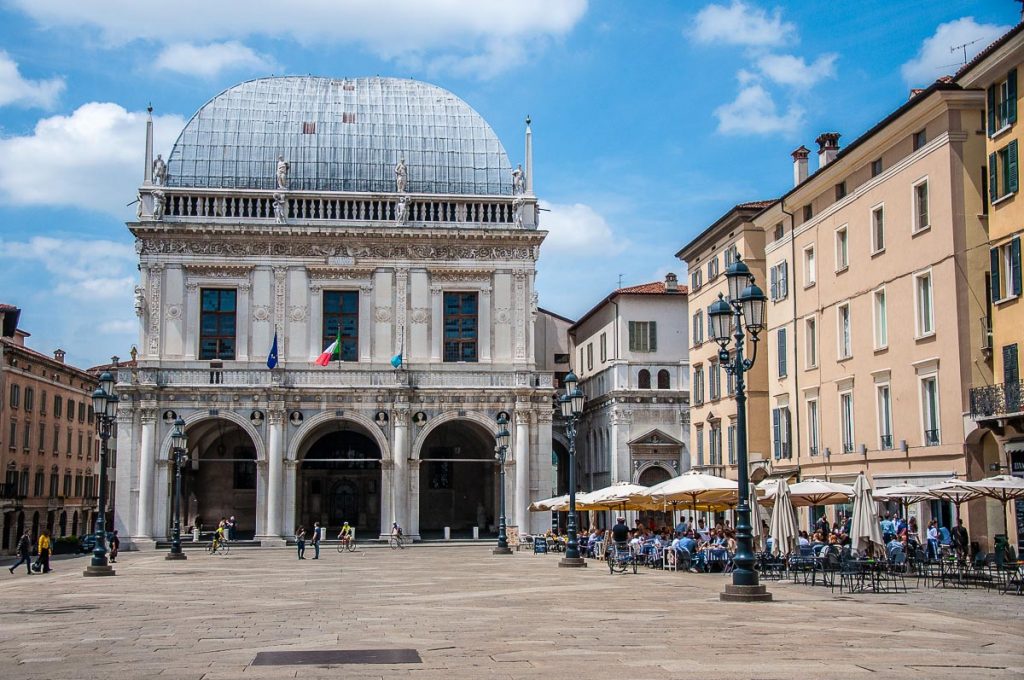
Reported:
(471, 614)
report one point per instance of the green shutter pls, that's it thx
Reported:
(1011, 96)
(993, 183)
(1011, 167)
(994, 259)
(1014, 274)
(776, 433)
(653, 331)
(632, 336)
(991, 110)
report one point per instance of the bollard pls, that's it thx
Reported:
(476, 533)
(195, 535)
(447, 533)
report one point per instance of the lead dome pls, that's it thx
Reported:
(340, 135)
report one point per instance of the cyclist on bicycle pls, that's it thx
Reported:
(345, 535)
(218, 537)
(620, 534)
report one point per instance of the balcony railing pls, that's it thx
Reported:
(931, 437)
(716, 470)
(9, 492)
(997, 401)
(813, 450)
(332, 377)
(886, 441)
(847, 447)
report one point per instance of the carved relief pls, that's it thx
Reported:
(420, 314)
(280, 293)
(261, 313)
(503, 315)
(297, 313)
(519, 276)
(382, 314)
(154, 281)
(224, 271)
(249, 247)
(460, 275)
(173, 312)
(344, 273)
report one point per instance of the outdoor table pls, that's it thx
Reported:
(868, 573)
(953, 571)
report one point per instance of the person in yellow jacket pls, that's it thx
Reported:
(44, 551)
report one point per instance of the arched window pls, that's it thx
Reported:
(40, 483)
(71, 411)
(30, 398)
(643, 379)
(664, 380)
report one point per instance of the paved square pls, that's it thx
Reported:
(470, 614)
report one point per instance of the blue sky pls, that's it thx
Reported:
(650, 119)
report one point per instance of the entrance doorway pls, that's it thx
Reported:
(658, 518)
(339, 481)
(458, 481)
(220, 480)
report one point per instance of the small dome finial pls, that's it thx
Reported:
(528, 120)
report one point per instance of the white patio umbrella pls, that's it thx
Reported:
(783, 525)
(955, 491)
(819, 492)
(618, 496)
(904, 494)
(693, 488)
(1003, 488)
(548, 504)
(865, 530)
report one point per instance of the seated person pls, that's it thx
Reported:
(802, 539)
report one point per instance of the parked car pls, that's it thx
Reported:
(87, 543)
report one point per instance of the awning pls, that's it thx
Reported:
(1016, 446)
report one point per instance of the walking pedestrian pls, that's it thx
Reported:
(316, 540)
(231, 528)
(300, 542)
(25, 552)
(115, 546)
(44, 551)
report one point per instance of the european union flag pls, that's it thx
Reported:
(272, 357)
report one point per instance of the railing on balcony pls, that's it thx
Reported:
(9, 492)
(997, 401)
(931, 437)
(886, 441)
(340, 378)
(716, 470)
(847, 447)
(813, 451)
(986, 333)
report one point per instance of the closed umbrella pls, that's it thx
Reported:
(865, 530)
(755, 515)
(1003, 488)
(783, 526)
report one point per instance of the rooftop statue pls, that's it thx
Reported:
(159, 171)
(401, 211)
(518, 180)
(282, 172)
(401, 176)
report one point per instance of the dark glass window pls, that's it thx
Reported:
(341, 313)
(245, 474)
(217, 324)
(643, 379)
(57, 403)
(71, 409)
(664, 380)
(460, 326)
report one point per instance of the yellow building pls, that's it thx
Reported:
(997, 405)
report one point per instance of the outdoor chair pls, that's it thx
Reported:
(896, 571)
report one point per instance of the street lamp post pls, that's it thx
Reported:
(745, 307)
(104, 406)
(500, 451)
(571, 404)
(179, 447)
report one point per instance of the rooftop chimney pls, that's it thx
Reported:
(828, 147)
(800, 164)
(671, 283)
(59, 354)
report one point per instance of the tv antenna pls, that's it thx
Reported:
(620, 275)
(964, 46)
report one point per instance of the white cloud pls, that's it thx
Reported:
(14, 89)
(208, 61)
(80, 269)
(578, 229)
(935, 57)
(754, 112)
(793, 71)
(119, 327)
(742, 24)
(465, 32)
(91, 159)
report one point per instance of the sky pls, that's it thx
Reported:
(650, 119)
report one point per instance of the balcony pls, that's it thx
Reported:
(997, 401)
(847, 447)
(10, 496)
(886, 441)
(931, 437)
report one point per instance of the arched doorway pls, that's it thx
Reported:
(339, 479)
(220, 476)
(655, 474)
(63, 523)
(74, 523)
(458, 480)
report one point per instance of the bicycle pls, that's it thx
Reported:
(348, 544)
(621, 558)
(397, 542)
(218, 548)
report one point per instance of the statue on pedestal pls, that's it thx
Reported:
(283, 167)
(518, 181)
(159, 171)
(401, 176)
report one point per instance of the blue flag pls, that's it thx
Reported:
(396, 361)
(272, 357)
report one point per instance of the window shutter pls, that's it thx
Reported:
(782, 352)
(1014, 278)
(1011, 96)
(1011, 371)
(711, 333)
(774, 283)
(776, 432)
(652, 330)
(632, 336)
(991, 109)
(993, 179)
(1011, 167)
(994, 257)
(788, 433)
(784, 280)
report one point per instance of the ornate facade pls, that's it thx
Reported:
(285, 218)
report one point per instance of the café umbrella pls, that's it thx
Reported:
(955, 491)
(865, 530)
(904, 494)
(1003, 488)
(783, 525)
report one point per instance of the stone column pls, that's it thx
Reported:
(522, 495)
(243, 328)
(413, 530)
(191, 314)
(316, 320)
(484, 327)
(401, 471)
(275, 467)
(436, 322)
(289, 495)
(541, 468)
(387, 482)
(163, 496)
(147, 463)
(124, 518)
(366, 321)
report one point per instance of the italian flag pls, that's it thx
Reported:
(333, 351)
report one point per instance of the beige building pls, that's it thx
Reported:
(49, 450)
(876, 265)
(712, 404)
(996, 399)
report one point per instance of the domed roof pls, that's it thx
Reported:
(340, 135)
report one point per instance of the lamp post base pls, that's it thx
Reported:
(572, 562)
(501, 551)
(176, 556)
(105, 570)
(745, 594)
